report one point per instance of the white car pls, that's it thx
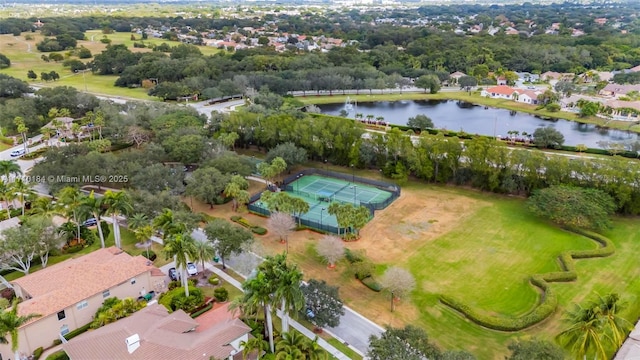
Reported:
(192, 269)
(18, 152)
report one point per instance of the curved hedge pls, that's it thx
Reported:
(548, 298)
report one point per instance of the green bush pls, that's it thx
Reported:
(213, 280)
(37, 353)
(372, 284)
(548, 299)
(82, 329)
(5, 140)
(187, 303)
(58, 355)
(201, 311)
(353, 256)
(4, 303)
(362, 269)
(150, 255)
(258, 230)
(221, 294)
(235, 218)
(174, 284)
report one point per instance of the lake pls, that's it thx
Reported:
(476, 119)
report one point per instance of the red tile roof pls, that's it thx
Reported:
(59, 286)
(502, 90)
(162, 336)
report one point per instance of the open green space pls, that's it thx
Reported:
(486, 262)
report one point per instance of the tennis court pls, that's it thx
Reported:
(327, 189)
(319, 191)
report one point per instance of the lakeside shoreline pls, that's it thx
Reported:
(474, 98)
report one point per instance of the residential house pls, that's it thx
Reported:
(154, 333)
(617, 90)
(499, 92)
(550, 75)
(501, 80)
(68, 294)
(527, 96)
(454, 77)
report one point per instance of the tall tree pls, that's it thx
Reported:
(117, 203)
(207, 185)
(409, 343)
(8, 168)
(237, 189)
(258, 291)
(398, 282)
(23, 190)
(91, 205)
(323, 306)
(286, 279)
(6, 194)
(331, 248)
(70, 199)
(282, 224)
(226, 238)
(204, 252)
(22, 130)
(182, 248)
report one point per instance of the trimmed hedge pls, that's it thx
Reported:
(37, 353)
(372, 284)
(244, 222)
(221, 294)
(201, 311)
(152, 255)
(82, 329)
(58, 355)
(548, 299)
(213, 280)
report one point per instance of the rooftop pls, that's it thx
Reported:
(162, 336)
(59, 286)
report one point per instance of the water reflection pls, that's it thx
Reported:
(475, 119)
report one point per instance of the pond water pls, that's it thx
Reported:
(476, 119)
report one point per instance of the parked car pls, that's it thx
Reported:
(90, 222)
(192, 269)
(173, 274)
(18, 152)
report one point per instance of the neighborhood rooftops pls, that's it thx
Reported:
(59, 286)
(163, 336)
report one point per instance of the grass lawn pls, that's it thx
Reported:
(480, 249)
(129, 245)
(473, 98)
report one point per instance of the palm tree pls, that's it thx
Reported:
(10, 322)
(23, 190)
(616, 326)
(584, 335)
(45, 207)
(253, 344)
(313, 350)
(204, 252)
(71, 200)
(167, 223)
(289, 294)
(118, 203)
(9, 167)
(257, 294)
(92, 205)
(143, 234)
(182, 248)
(6, 194)
(137, 221)
(291, 346)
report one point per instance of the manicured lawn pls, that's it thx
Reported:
(480, 249)
(129, 245)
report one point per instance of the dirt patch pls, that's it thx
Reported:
(414, 219)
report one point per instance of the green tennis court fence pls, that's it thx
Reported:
(306, 222)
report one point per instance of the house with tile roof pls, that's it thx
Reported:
(154, 333)
(618, 90)
(68, 294)
(499, 92)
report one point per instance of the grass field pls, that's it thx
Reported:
(478, 248)
(476, 99)
(24, 57)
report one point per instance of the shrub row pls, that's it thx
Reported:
(213, 280)
(34, 154)
(201, 311)
(548, 300)
(244, 222)
(82, 329)
(58, 355)
(372, 284)
(37, 353)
